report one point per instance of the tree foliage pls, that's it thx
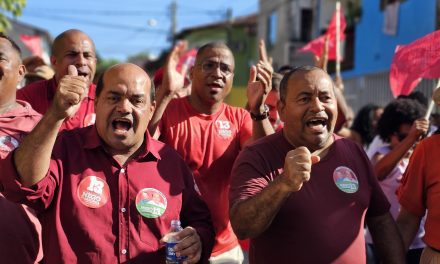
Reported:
(13, 7)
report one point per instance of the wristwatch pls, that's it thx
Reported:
(261, 116)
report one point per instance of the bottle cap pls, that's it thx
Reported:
(175, 222)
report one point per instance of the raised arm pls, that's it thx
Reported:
(259, 85)
(172, 82)
(251, 217)
(32, 157)
(384, 164)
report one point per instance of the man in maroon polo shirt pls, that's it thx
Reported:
(302, 195)
(108, 192)
(72, 47)
(20, 230)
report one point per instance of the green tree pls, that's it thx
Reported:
(13, 7)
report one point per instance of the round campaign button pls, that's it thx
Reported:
(151, 203)
(345, 179)
(8, 143)
(93, 192)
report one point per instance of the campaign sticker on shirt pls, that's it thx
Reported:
(89, 119)
(93, 192)
(345, 179)
(8, 143)
(151, 203)
(223, 128)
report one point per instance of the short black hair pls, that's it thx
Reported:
(212, 45)
(286, 77)
(284, 69)
(363, 123)
(276, 80)
(13, 43)
(398, 112)
(100, 86)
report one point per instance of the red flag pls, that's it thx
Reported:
(316, 46)
(33, 43)
(419, 59)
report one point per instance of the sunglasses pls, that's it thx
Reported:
(401, 136)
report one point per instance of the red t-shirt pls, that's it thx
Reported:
(420, 187)
(94, 211)
(20, 230)
(324, 221)
(209, 145)
(40, 95)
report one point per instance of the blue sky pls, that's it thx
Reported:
(121, 28)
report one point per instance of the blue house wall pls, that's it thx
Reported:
(373, 49)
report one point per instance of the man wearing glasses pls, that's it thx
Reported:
(208, 133)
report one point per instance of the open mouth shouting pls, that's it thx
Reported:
(83, 72)
(122, 126)
(317, 125)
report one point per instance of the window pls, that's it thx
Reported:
(306, 24)
(272, 29)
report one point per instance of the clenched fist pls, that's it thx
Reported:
(71, 91)
(297, 168)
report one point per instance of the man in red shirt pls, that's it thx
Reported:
(108, 192)
(20, 230)
(208, 133)
(302, 194)
(71, 47)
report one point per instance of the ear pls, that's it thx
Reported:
(53, 60)
(152, 109)
(191, 73)
(281, 106)
(95, 102)
(21, 72)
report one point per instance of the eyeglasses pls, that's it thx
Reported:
(210, 66)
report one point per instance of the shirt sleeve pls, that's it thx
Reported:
(195, 213)
(22, 94)
(248, 177)
(37, 197)
(411, 191)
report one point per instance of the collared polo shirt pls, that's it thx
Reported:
(40, 95)
(93, 210)
(20, 230)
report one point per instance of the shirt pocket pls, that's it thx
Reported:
(151, 230)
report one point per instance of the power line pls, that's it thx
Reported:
(122, 13)
(98, 24)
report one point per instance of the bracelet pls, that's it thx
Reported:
(262, 116)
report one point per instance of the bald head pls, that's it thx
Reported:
(68, 34)
(131, 73)
(74, 47)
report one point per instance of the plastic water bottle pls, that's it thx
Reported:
(171, 241)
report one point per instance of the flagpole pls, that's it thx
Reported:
(338, 44)
(431, 103)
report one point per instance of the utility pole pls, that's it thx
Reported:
(229, 26)
(173, 9)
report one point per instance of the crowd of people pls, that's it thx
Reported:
(95, 173)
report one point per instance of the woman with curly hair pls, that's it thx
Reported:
(400, 127)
